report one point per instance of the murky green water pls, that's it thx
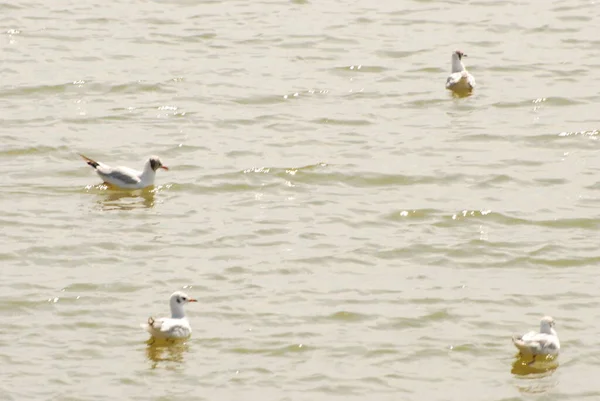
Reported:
(351, 230)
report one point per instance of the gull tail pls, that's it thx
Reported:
(89, 161)
(149, 327)
(520, 344)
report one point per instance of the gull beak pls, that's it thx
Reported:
(192, 300)
(164, 168)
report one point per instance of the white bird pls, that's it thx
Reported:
(177, 326)
(459, 80)
(125, 177)
(545, 342)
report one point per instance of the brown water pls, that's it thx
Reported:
(351, 230)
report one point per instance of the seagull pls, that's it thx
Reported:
(545, 342)
(176, 326)
(125, 177)
(459, 80)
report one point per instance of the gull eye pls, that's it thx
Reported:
(184, 298)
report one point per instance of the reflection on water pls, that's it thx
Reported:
(119, 199)
(165, 351)
(542, 366)
(537, 377)
(461, 94)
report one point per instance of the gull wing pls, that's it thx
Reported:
(453, 79)
(470, 80)
(118, 175)
(537, 343)
(168, 328)
(460, 81)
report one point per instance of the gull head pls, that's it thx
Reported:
(547, 325)
(156, 163)
(181, 298)
(178, 299)
(457, 65)
(458, 54)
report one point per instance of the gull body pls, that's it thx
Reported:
(545, 342)
(176, 326)
(460, 80)
(125, 177)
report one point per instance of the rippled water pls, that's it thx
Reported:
(351, 230)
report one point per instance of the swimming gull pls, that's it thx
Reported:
(459, 80)
(125, 177)
(176, 326)
(545, 342)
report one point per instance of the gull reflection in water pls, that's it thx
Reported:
(164, 351)
(460, 95)
(536, 378)
(118, 199)
(524, 366)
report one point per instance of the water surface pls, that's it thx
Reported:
(350, 229)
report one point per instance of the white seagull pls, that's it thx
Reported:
(125, 177)
(545, 342)
(459, 80)
(176, 326)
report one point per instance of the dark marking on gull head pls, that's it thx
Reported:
(460, 54)
(156, 163)
(549, 320)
